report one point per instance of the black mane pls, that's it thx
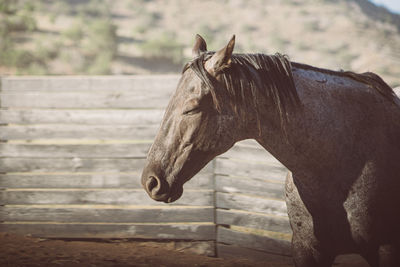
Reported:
(250, 77)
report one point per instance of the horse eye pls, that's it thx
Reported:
(191, 106)
(191, 111)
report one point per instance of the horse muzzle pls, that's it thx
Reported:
(159, 190)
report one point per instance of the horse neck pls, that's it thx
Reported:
(285, 148)
(306, 144)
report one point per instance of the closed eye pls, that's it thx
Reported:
(192, 110)
(191, 106)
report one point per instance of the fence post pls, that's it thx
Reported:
(1, 141)
(214, 187)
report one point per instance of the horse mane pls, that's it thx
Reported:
(368, 78)
(249, 78)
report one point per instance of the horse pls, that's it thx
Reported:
(338, 133)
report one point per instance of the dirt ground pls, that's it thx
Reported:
(18, 250)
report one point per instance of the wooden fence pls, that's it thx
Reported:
(71, 154)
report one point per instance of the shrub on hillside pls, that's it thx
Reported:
(163, 46)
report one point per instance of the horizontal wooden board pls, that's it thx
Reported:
(235, 252)
(70, 165)
(250, 169)
(251, 203)
(258, 187)
(248, 143)
(106, 215)
(137, 83)
(252, 241)
(82, 116)
(251, 154)
(89, 100)
(146, 231)
(203, 180)
(74, 165)
(138, 150)
(253, 220)
(78, 131)
(98, 196)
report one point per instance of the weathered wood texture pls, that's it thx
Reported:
(190, 231)
(251, 203)
(270, 259)
(259, 187)
(250, 169)
(44, 165)
(90, 100)
(257, 242)
(137, 83)
(250, 193)
(73, 154)
(63, 131)
(114, 117)
(73, 165)
(97, 196)
(126, 180)
(109, 214)
(10, 150)
(254, 220)
(74, 151)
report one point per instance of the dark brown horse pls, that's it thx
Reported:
(337, 132)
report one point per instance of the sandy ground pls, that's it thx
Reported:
(18, 250)
(28, 251)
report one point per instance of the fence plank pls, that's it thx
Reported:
(98, 196)
(74, 151)
(253, 220)
(230, 251)
(145, 231)
(251, 154)
(252, 241)
(93, 100)
(82, 116)
(74, 183)
(263, 188)
(251, 203)
(250, 169)
(78, 131)
(108, 215)
(137, 83)
(203, 180)
(74, 165)
(248, 143)
(70, 165)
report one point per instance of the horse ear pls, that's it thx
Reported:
(199, 47)
(221, 59)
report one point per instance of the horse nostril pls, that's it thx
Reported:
(157, 188)
(153, 185)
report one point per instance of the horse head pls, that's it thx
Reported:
(196, 126)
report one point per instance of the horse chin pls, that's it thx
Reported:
(175, 195)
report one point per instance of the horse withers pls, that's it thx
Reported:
(337, 132)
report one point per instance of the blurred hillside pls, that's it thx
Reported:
(155, 36)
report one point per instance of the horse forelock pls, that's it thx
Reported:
(249, 79)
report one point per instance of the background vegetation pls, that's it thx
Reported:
(155, 36)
